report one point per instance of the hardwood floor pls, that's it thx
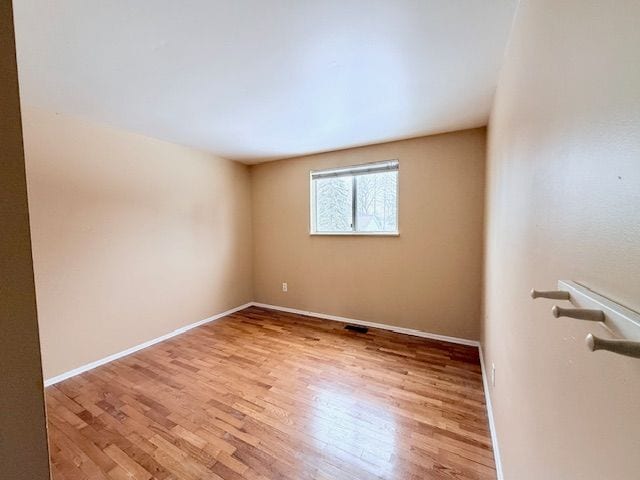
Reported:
(269, 395)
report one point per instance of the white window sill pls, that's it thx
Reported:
(355, 234)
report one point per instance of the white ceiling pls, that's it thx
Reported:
(254, 80)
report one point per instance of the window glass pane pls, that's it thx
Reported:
(334, 204)
(377, 202)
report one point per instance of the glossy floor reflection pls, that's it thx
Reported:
(356, 424)
(269, 395)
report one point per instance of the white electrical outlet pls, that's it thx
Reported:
(284, 286)
(493, 374)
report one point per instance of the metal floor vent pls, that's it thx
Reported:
(356, 328)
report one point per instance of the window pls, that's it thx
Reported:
(360, 200)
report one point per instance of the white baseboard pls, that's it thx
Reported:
(492, 425)
(128, 351)
(393, 328)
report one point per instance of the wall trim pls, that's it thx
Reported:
(393, 328)
(492, 424)
(148, 343)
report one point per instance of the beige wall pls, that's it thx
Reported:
(23, 435)
(564, 203)
(428, 278)
(132, 237)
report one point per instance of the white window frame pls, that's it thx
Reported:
(353, 171)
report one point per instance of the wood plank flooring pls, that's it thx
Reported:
(269, 395)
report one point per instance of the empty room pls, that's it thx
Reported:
(320, 239)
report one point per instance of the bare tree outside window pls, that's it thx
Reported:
(359, 200)
(334, 204)
(377, 202)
